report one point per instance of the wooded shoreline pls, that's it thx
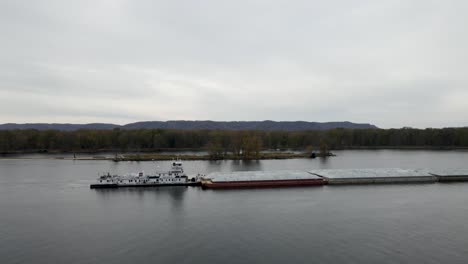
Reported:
(175, 150)
(225, 144)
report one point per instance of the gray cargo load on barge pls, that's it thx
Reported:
(258, 179)
(375, 176)
(279, 175)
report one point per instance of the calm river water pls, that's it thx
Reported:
(48, 214)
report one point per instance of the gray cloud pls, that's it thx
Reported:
(391, 63)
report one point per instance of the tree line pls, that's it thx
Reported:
(220, 142)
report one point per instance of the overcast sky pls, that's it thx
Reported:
(390, 63)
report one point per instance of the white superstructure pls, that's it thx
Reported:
(175, 176)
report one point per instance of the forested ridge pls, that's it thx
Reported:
(266, 125)
(225, 141)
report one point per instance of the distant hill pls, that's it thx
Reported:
(187, 125)
(54, 126)
(246, 125)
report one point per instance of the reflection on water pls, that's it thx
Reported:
(324, 161)
(246, 165)
(229, 165)
(174, 193)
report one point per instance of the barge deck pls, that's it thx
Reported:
(375, 176)
(261, 179)
(450, 175)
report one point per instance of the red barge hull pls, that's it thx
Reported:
(262, 184)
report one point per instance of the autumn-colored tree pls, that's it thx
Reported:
(324, 148)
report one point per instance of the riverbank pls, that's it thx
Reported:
(261, 156)
(199, 154)
(162, 157)
(280, 152)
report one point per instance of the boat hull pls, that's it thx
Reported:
(103, 186)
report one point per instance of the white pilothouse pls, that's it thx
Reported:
(175, 176)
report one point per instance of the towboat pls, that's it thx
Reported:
(174, 177)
